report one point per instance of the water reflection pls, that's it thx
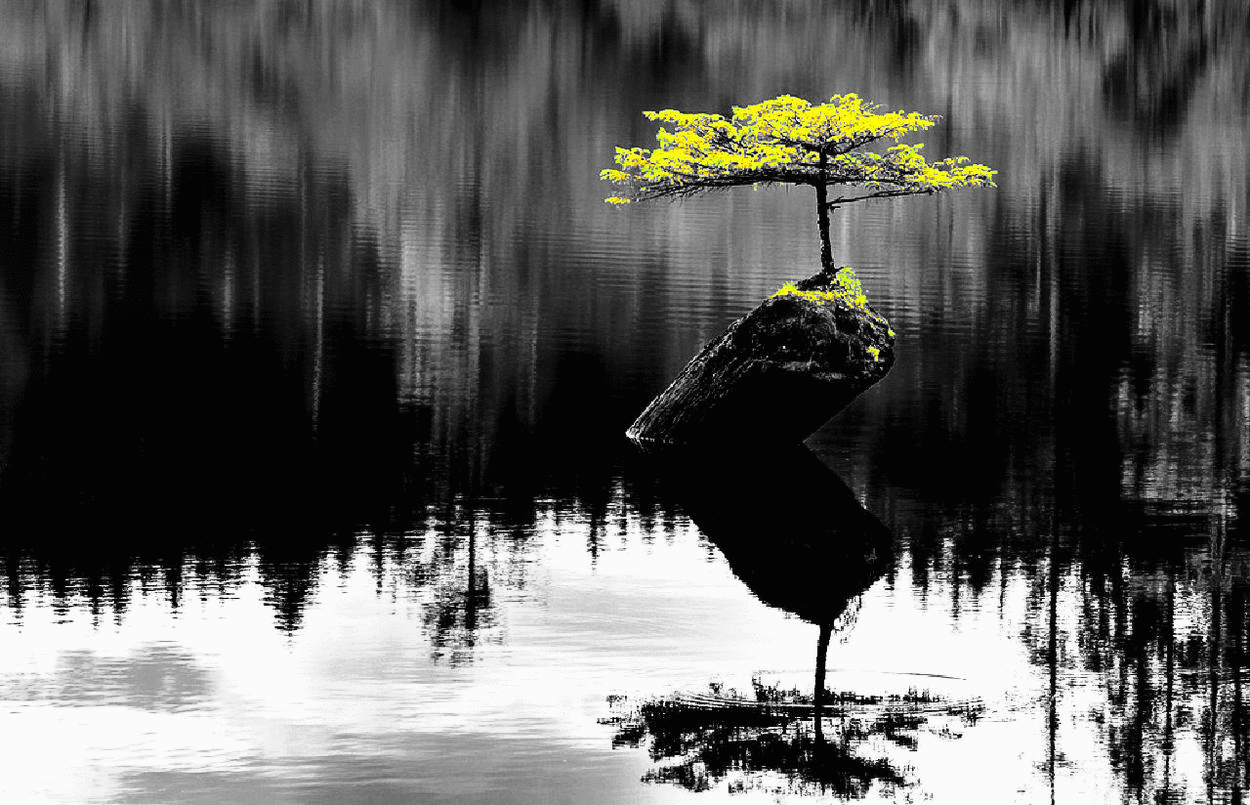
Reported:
(801, 542)
(1164, 637)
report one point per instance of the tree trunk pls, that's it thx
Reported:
(822, 218)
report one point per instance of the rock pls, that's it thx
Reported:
(778, 373)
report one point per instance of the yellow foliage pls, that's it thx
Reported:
(789, 140)
(845, 288)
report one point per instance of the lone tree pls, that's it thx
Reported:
(788, 140)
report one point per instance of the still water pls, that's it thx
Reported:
(317, 345)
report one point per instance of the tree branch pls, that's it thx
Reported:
(692, 183)
(883, 194)
(857, 143)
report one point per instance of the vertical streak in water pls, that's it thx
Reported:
(318, 334)
(1169, 683)
(256, 320)
(1213, 658)
(62, 240)
(318, 295)
(1224, 419)
(123, 196)
(167, 159)
(1049, 267)
(228, 289)
(1237, 622)
(1002, 588)
(1052, 655)
(470, 609)
(482, 269)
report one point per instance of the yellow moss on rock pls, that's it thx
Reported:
(846, 288)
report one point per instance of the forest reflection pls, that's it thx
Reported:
(1164, 636)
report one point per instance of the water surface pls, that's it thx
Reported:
(317, 346)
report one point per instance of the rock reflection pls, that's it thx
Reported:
(792, 531)
(787, 524)
(798, 538)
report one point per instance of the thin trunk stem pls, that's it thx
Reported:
(822, 218)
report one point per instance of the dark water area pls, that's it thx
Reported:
(318, 344)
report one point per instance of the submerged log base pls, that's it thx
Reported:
(775, 375)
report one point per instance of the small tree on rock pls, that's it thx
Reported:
(788, 140)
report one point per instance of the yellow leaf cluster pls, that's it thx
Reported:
(787, 140)
(845, 288)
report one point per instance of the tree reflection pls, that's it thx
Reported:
(698, 747)
(798, 538)
(461, 605)
(1162, 637)
(810, 522)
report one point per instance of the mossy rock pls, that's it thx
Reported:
(778, 373)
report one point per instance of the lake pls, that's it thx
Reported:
(318, 345)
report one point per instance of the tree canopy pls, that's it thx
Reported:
(789, 140)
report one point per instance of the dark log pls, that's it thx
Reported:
(775, 375)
